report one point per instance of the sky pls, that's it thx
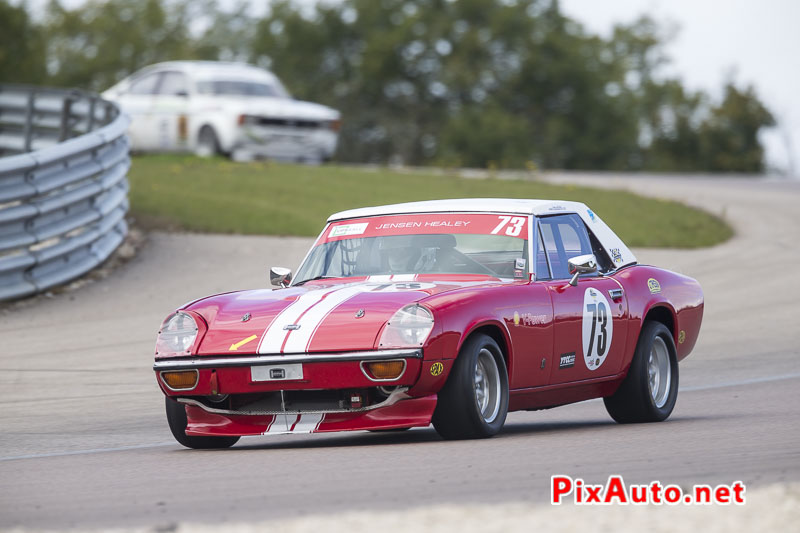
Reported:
(751, 42)
(747, 41)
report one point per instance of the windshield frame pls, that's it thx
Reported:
(531, 247)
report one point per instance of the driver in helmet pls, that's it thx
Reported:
(397, 253)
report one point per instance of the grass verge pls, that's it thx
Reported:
(266, 198)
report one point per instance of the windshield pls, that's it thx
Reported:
(241, 88)
(491, 245)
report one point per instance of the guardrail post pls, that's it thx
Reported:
(66, 122)
(28, 128)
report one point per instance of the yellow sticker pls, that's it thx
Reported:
(437, 369)
(681, 337)
(653, 285)
(236, 345)
(516, 318)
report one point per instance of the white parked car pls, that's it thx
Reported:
(210, 107)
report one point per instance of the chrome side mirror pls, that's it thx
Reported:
(280, 276)
(581, 264)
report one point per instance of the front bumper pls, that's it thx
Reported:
(284, 143)
(234, 374)
(231, 396)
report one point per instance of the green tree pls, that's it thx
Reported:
(95, 45)
(22, 57)
(729, 137)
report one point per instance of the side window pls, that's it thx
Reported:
(145, 85)
(542, 269)
(174, 84)
(565, 237)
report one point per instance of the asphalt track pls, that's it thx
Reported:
(84, 442)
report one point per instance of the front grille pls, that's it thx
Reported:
(288, 123)
(282, 402)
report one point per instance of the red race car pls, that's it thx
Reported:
(451, 312)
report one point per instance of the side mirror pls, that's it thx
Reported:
(581, 264)
(280, 276)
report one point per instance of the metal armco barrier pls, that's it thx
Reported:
(63, 187)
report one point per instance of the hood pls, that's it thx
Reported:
(314, 317)
(277, 108)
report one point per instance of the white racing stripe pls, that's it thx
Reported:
(274, 335)
(308, 423)
(299, 339)
(294, 423)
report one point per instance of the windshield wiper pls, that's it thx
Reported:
(313, 279)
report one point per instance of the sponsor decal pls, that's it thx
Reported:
(567, 360)
(437, 369)
(597, 330)
(616, 255)
(591, 215)
(557, 208)
(430, 223)
(681, 337)
(529, 319)
(519, 273)
(653, 285)
(519, 263)
(348, 229)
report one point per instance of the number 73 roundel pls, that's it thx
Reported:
(598, 328)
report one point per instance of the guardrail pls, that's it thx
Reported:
(63, 187)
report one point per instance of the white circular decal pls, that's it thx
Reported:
(598, 328)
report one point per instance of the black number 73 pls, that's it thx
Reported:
(599, 315)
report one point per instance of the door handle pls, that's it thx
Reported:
(616, 294)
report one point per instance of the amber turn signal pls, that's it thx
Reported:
(180, 380)
(385, 369)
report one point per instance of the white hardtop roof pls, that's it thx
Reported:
(467, 205)
(620, 254)
(205, 69)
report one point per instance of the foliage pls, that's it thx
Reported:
(179, 192)
(477, 83)
(22, 58)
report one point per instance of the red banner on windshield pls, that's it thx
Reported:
(429, 223)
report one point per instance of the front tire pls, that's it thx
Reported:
(207, 143)
(650, 390)
(474, 401)
(176, 418)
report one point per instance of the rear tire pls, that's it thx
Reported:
(176, 417)
(650, 390)
(474, 401)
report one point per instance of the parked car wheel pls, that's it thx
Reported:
(207, 143)
(176, 417)
(650, 389)
(474, 401)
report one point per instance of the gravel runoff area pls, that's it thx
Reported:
(771, 508)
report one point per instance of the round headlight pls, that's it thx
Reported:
(177, 335)
(408, 328)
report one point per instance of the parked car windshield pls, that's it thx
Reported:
(490, 245)
(241, 88)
